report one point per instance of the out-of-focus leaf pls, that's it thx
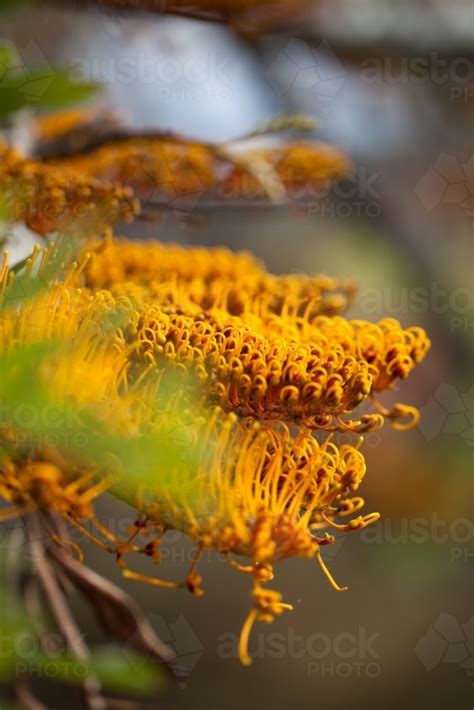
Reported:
(6, 5)
(27, 285)
(121, 673)
(144, 458)
(114, 671)
(87, 434)
(15, 621)
(5, 58)
(63, 90)
(40, 87)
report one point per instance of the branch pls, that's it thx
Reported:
(61, 612)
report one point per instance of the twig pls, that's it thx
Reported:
(26, 698)
(117, 611)
(62, 613)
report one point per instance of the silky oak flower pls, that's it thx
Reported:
(166, 167)
(282, 356)
(49, 199)
(254, 479)
(235, 282)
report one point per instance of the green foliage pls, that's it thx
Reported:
(41, 87)
(78, 432)
(81, 435)
(132, 674)
(10, 5)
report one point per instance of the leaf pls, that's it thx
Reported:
(144, 458)
(5, 58)
(114, 671)
(8, 5)
(63, 90)
(120, 673)
(39, 87)
(26, 286)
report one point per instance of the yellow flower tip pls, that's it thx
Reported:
(193, 583)
(370, 518)
(410, 414)
(328, 575)
(268, 604)
(245, 659)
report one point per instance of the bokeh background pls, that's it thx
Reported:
(392, 83)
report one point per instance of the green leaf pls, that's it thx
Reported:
(145, 458)
(165, 437)
(115, 671)
(8, 5)
(61, 90)
(26, 286)
(127, 674)
(6, 58)
(40, 87)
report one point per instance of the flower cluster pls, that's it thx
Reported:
(236, 283)
(167, 167)
(268, 347)
(275, 368)
(47, 199)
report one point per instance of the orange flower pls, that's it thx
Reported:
(49, 199)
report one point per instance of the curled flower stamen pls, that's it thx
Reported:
(410, 414)
(328, 574)
(244, 637)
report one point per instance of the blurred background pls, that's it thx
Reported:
(392, 84)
